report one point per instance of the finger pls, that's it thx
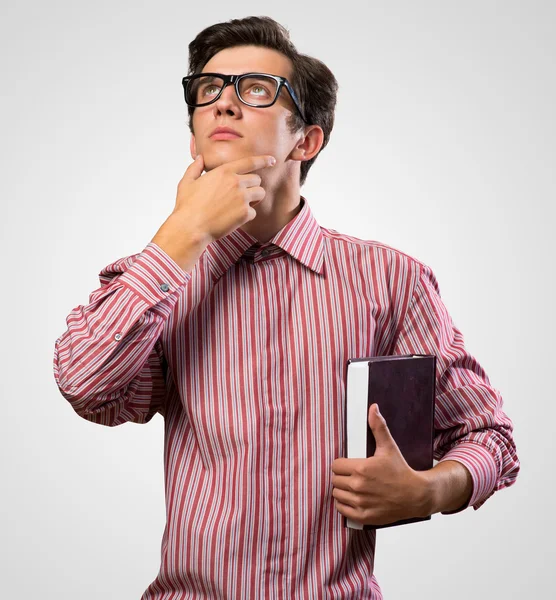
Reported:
(342, 482)
(250, 180)
(255, 195)
(347, 511)
(380, 429)
(346, 466)
(195, 169)
(251, 163)
(347, 498)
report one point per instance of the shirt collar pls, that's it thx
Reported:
(301, 238)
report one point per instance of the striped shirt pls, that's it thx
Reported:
(245, 357)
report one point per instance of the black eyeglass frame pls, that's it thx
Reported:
(235, 79)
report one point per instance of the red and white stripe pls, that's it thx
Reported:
(246, 358)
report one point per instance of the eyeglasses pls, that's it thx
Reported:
(259, 90)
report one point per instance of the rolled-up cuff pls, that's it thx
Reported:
(482, 467)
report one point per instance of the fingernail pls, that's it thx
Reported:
(272, 160)
(376, 409)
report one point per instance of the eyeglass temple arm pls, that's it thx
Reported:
(295, 99)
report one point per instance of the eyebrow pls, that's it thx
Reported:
(240, 74)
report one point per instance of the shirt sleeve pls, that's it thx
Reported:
(470, 425)
(109, 363)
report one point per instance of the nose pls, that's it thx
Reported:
(228, 102)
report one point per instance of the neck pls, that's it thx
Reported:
(282, 202)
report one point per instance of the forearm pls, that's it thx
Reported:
(449, 486)
(107, 364)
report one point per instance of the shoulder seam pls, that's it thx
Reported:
(348, 239)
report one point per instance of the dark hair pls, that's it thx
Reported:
(313, 82)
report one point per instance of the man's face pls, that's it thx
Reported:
(263, 130)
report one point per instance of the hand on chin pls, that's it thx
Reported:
(216, 157)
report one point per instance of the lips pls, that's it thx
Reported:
(225, 133)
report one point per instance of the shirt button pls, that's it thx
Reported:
(118, 337)
(265, 252)
(164, 287)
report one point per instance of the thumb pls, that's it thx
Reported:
(195, 169)
(379, 427)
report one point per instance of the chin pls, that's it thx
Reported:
(219, 156)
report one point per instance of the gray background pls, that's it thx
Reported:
(443, 148)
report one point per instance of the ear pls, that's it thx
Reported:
(193, 147)
(309, 144)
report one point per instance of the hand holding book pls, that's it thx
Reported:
(383, 488)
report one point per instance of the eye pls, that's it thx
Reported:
(258, 90)
(259, 87)
(206, 90)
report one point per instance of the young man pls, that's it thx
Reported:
(236, 322)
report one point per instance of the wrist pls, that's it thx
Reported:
(179, 227)
(183, 246)
(172, 234)
(426, 494)
(447, 487)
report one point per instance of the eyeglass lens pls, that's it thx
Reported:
(259, 91)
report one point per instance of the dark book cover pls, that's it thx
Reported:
(403, 386)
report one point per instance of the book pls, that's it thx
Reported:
(403, 386)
